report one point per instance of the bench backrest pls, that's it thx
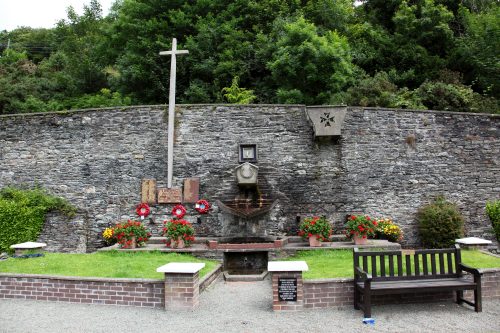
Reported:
(404, 264)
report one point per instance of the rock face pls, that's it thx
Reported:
(387, 163)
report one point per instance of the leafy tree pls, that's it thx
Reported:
(237, 95)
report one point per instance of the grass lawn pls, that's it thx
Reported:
(111, 264)
(324, 264)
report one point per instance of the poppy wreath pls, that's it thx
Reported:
(142, 210)
(179, 211)
(202, 206)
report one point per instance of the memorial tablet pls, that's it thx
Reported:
(287, 289)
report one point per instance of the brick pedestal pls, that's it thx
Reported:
(182, 285)
(287, 284)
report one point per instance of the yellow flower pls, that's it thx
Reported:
(107, 233)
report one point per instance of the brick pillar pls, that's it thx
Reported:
(288, 284)
(182, 285)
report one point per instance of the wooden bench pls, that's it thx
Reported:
(399, 272)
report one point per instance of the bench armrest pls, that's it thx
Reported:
(473, 271)
(363, 276)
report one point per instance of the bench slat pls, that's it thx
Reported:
(391, 265)
(400, 265)
(441, 264)
(374, 266)
(365, 264)
(382, 265)
(433, 263)
(450, 262)
(408, 264)
(416, 264)
(424, 264)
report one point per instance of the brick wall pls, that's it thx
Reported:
(288, 305)
(125, 292)
(339, 292)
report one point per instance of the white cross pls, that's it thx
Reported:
(171, 109)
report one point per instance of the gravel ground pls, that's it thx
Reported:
(243, 307)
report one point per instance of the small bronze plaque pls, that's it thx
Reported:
(148, 191)
(287, 289)
(169, 195)
(191, 190)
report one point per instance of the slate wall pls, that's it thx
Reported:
(388, 163)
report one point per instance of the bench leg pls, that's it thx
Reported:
(367, 306)
(478, 303)
(356, 298)
(460, 296)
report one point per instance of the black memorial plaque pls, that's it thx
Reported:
(287, 289)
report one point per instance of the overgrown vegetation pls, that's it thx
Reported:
(440, 223)
(434, 54)
(493, 211)
(112, 264)
(22, 214)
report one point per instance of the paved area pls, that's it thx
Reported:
(243, 307)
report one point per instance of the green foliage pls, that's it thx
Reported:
(22, 214)
(493, 211)
(440, 223)
(235, 94)
(445, 96)
(110, 264)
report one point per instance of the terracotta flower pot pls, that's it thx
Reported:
(359, 240)
(179, 243)
(314, 242)
(133, 245)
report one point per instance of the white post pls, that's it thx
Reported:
(171, 109)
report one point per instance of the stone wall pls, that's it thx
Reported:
(387, 163)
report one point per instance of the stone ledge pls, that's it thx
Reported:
(181, 267)
(287, 266)
(78, 278)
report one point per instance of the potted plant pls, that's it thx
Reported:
(179, 233)
(316, 229)
(109, 236)
(360, 227)
(131, 234)
(386, 229)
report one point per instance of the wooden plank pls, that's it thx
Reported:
(382, 265)
(450, 263)
(400, 265)
(374, 266)
(408, 264)
(416, 264)
(365, 264)
(391, 265)
(425, 265)
(433, 263)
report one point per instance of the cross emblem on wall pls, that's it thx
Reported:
(326, 119)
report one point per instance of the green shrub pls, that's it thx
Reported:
(493, 211)
(22, 214)
(440, 223)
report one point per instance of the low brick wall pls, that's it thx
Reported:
(126, 292)
(339, 292)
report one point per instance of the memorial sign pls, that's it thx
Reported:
(287, 289)
(148, 191)
(191, 190)
(169, 195)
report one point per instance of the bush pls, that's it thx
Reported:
(493, 211)
(22, 214)
(440, 223)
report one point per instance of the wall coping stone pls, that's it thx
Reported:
(80, 278)
(181, 267)
(287, 266)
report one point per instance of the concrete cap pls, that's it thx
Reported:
(28, 245)
(472, 241)
(287, 266)
(180, 267)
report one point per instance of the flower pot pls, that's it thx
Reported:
(314, 242)
(179, 243)
(359, 240)
(133, 245)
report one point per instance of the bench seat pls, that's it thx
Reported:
(410, 286)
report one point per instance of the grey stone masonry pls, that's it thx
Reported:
(387, 163)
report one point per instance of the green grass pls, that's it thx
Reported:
(326, 264)
(112, 264)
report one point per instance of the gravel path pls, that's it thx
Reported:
(243, 307)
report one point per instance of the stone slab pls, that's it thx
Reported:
(327, 120)
(180, 267)
(472, 241)
(287, 266)
(28, 246)
(170, 195)
(148, 191)
(191, 190)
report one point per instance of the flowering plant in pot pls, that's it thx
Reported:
(360, 227)
(387, 229)
(180, 232)
(109, 236)
(316, 229)
(131, 234)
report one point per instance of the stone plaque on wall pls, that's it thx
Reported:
(327, 120)
(169, 195)
(287, 289)
(191, 190)
(148, 191)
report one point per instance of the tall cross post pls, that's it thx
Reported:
(171, 109)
